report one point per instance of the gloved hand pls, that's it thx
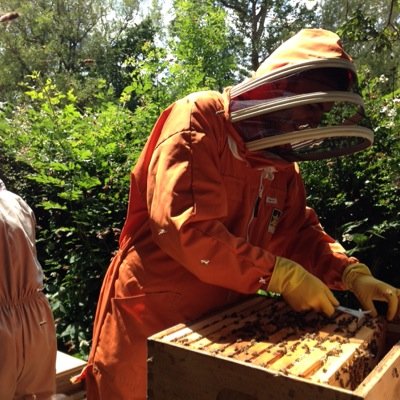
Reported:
(300, 289)
(358, 278)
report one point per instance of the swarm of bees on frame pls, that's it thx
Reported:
(284, 341)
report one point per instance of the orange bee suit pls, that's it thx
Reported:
(206, 219)
(27, 332)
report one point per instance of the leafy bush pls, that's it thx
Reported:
(73, 168)
(358, 197)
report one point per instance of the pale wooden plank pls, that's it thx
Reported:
(384, 382)
(66, 367)
(197, 376)
(66, 363)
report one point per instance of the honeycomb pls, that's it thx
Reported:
(266, 332)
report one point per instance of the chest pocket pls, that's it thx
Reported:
(240, 195)
(267, 214)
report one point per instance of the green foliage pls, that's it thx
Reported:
(358, 197)
(118, 62)
(79, 163)
(369, 31)
(262, 25)
(148, 81)
(66, 40)
(200, 44)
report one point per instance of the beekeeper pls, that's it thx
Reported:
(217, 208)
(27, 332)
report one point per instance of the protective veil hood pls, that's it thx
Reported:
(302, 103)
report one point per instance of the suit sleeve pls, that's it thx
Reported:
(187, 203)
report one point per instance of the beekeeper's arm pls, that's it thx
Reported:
(187, 204)
(321, 255)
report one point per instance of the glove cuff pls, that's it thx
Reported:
(352, 272)
(286, 276)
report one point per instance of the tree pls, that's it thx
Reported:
(117, 63)
(368, 28)
(200, 45)
(262, 25)
(61, 39)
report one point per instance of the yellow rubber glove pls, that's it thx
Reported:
(300, 289)
(358, 278)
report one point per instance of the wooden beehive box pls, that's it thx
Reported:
(67, 367)
(262, 350)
